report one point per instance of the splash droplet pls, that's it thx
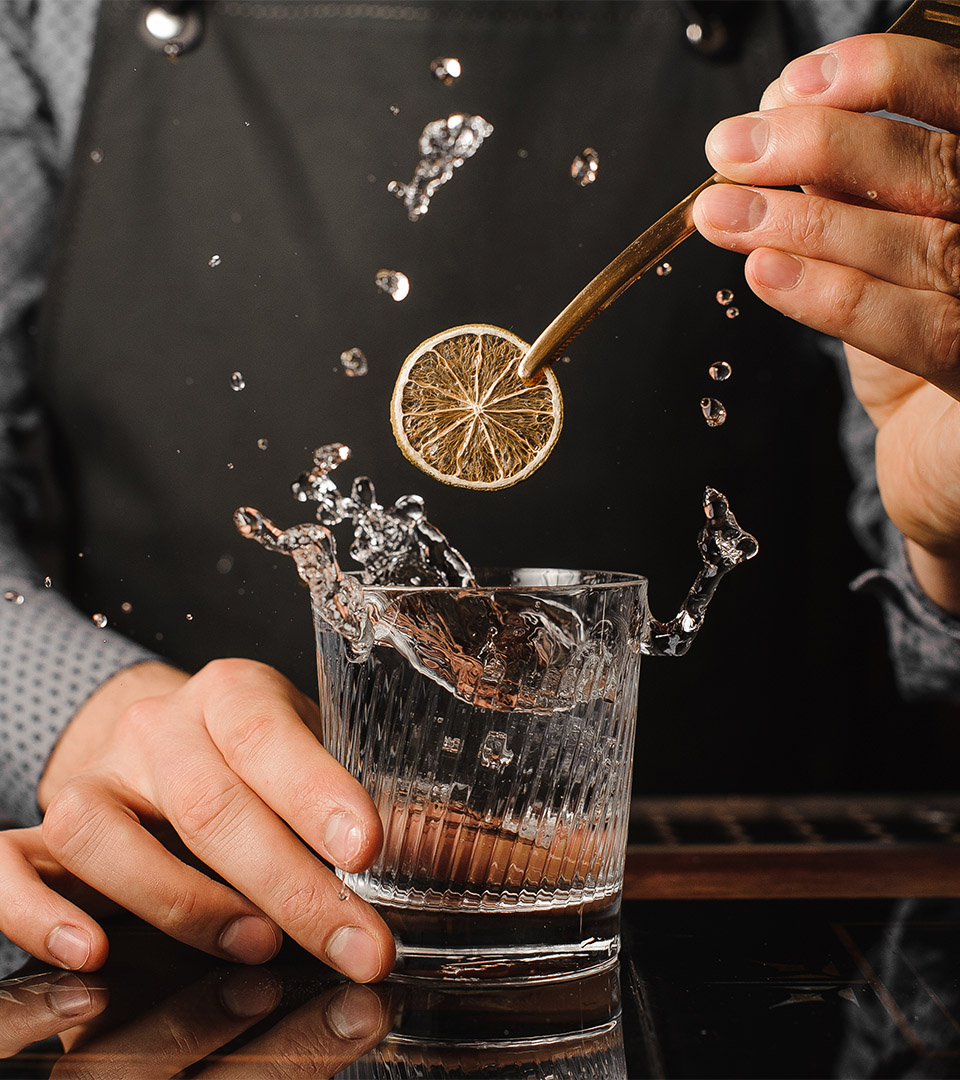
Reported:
(395, 110)
(663, 269)
(229, 464)
(100, 620)
(237, 381)
(262, 444)
(584, 166)
(720, 371)
(353, 362)
(394, 283)
(724, 297)
(214, 260)
(446, 69)
(871, 194)
(732, 312)
(444, 146)
(48, 582)
(224, 564)
(13, 597)
(96, 155)
(126, 607)
(714, 411)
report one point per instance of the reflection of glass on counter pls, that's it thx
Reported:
(569, 1031)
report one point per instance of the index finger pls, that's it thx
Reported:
(908, 76)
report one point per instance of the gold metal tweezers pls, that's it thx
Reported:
(938, 20)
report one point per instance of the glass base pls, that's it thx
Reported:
(511, 948)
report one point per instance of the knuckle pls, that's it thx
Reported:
(249, 738)
(76, 824)
(301, 910)
(942, 179)
(943, 257)
(182, 912)
(209, 810)
(944, 361)
(184, 1041)
(848, 307)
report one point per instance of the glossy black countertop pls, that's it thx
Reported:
(705, 988)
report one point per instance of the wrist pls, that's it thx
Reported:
(96, 718)
(937, 575)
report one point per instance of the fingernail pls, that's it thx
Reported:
(776, 269)
(740, 139)
(733, 209)
(810, 74)
(249, 939)
(354, 1012)
(343, 838)
(68, 946)
(68, 997)
(354, 952)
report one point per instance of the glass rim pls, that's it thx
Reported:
(567, 581)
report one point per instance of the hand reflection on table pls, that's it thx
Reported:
(158, 1008)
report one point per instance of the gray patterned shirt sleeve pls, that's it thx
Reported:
(52, 657)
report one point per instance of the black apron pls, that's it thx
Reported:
(267, 150)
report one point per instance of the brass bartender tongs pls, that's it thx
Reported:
(938, 20)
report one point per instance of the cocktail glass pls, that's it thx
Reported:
(494, 730)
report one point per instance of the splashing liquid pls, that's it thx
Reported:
(444, 146)
(354, 363)
(437, 633)
(584, 167)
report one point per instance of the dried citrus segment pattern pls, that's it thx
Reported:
(462, 414)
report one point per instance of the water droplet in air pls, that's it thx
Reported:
(353, 362)
(100, 620)
(444, 146)
(493, 750)
(446, 69)
(262, 444)
(13, 597)
(721, 371)
(584, 166)
(214, 260)
(48, 582)
(224, 564)
(724, 297)
(237, 381)
(713, 411)
(96, 155)
(393, 283)
(871, 194)
(732, 312)
(189, 618)
(229, 464)
(395, 109)
(126, 607)
(663, 269)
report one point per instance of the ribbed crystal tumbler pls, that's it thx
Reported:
(493, 727)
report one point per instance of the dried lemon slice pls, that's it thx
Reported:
(462, 414)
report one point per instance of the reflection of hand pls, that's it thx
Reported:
(37, 1007)
(226, 759)
(868, 251)
(190, 1025)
